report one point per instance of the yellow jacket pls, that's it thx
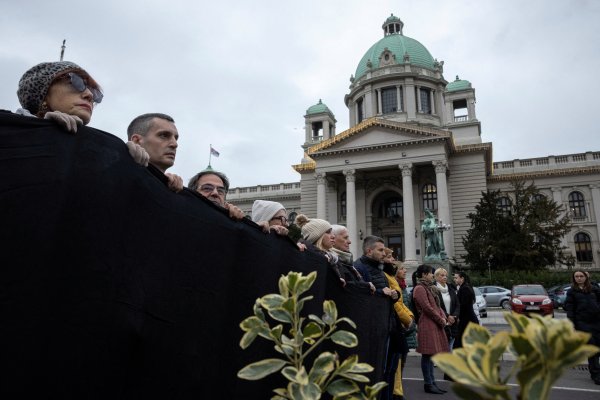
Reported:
(406, 316)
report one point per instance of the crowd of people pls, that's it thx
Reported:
(66, 93)
(432, 319)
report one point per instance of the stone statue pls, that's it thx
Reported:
(434, 242)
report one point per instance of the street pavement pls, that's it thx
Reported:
(575, 382)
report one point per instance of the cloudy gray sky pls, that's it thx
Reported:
(241, 74)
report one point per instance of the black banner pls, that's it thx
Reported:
(112, 286)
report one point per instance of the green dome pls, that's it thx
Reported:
(318, 108)
(392, 18)
(458, 85)
(399, 45)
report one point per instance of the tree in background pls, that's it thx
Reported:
(523, 233)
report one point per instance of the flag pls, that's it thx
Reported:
(214, 152)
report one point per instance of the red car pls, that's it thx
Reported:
(527, 299)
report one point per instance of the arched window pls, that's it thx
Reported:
(577, 205)
(391, 207)
(343, 205)
(505, 206)
(430, 197)
(583, 247)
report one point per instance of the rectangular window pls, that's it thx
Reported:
(425, 103)
(389, 100)
(359, 110)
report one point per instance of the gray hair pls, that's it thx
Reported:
(338, 229)
(370, 241)
(142, 123)
(193, 184)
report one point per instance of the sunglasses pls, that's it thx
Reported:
(80, 85)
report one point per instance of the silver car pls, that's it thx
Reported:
(480, 305)
(496, 296)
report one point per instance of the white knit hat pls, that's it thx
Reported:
(264, 210)
(312, 229)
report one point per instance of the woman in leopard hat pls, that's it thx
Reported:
(61, 91)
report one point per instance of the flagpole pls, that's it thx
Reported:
(209, 154)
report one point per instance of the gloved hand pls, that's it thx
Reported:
(138, 153)
(175, 182)
(66, 121)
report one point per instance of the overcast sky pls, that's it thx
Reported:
(241, 74)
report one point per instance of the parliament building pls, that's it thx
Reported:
(415, 142)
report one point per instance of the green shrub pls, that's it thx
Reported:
(327, 375)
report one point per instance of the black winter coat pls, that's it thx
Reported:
(583, 309)
(466, 298)
(371, 272)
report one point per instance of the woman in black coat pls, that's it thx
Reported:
(583, 309)
(449, 303)
(466, 299)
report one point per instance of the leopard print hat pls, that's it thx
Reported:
(34, 84)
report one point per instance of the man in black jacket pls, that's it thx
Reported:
(370, 266)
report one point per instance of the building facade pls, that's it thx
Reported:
(414, 142)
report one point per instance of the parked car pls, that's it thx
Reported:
(496, 296)
(527, 299)
(480, 305)
(558, 294)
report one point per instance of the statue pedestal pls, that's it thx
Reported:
(436, 263)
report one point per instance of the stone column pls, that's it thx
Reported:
(351, 210)
(399, 107)
(410, 253)
(596, 205)
(419, 105)
(321, 195)
(409, 98)
(379, 105)
(432, 101)
(443, 204)
(325, 130)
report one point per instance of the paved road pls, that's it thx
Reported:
(575, 383)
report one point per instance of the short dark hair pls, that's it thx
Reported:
(142, 123)
(193, 184)
(370, 241)
(423, 269)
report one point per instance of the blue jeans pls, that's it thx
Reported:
(427, 369)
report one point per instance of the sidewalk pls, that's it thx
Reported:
(495, 317)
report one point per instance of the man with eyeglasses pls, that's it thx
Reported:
(214, 186)
(157, 135)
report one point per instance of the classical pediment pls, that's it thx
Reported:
(377, 133)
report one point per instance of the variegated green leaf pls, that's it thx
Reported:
(342, 387)
(330, 313)
(361, 368)
(348, 321)
(475, 333)
(306, 283)
(323, 366)
(312, 330)
(260, 369)
(345, 338)
(272, 301)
